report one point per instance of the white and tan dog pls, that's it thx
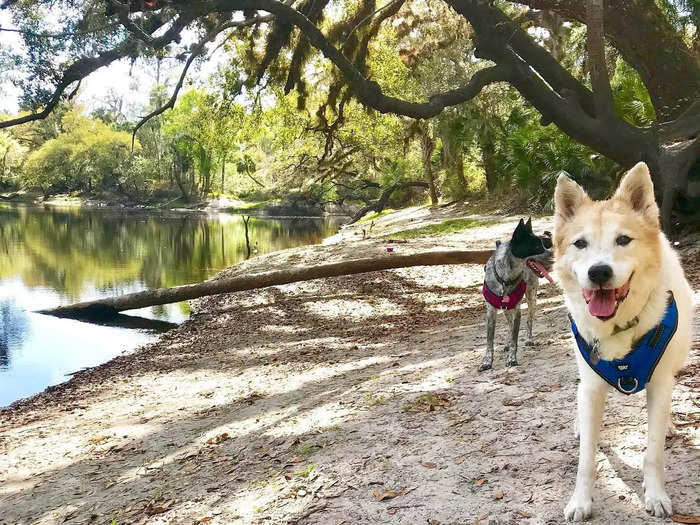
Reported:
(616, 268)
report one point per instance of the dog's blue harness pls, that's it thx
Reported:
(630, 374)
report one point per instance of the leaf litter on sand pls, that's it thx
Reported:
(385, 494)
(684, 518)
(315, 368)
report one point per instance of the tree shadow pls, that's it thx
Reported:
(358, 411)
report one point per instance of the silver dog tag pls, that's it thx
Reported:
(595, 354)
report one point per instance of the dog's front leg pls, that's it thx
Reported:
(656, 499)
(531, 295)
(591, 403)
(514, 321)
(487, 363)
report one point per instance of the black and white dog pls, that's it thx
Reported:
(513, 271)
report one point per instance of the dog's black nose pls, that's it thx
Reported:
(600, 273)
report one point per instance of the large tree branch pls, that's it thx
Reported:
(649, 43)
(85, 66)
(684, 127)
(108, 307)
(614, 138)
(379, 205)
(196, 50)
(123, 11)
(171, 101)
(74, 73)
(367, 91)
(493, 26)
(595, 42)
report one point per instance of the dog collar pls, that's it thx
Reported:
(504, 302)
(630, 374)
(505, 283)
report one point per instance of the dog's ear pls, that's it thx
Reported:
(528, 224)
(637, 190)
(519, 230)
(568, 197)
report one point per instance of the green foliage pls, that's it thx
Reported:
(441, 228)
(375, 215)
(87, 155)
(12, 155)
(632, 99)
(320, 143)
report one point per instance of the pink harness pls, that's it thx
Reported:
(507, 302)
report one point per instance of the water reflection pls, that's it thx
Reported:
(14, 327)
(53, 256)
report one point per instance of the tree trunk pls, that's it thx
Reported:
(103, 308)
(597, 65)
(488, 159)
(459, 169)
(383, 200)
(672, 168)
(177, 173)
(246, 218)
(223, 169)
(453, 160)
(427, 146)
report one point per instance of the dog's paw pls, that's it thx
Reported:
(658, 503)
(512, 361)
(485, 366)
(579, 508)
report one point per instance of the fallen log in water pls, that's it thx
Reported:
(105, 308)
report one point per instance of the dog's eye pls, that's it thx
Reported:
(581, 244)
(623, 240)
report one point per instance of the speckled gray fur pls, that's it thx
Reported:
(509, 268)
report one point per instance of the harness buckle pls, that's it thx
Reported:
(630, 382)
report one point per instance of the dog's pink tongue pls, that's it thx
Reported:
(602, 303)
(543, 271)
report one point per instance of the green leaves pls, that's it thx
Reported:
(88, 154)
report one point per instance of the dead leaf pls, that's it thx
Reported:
(459, 461)
(511, 402)
(203, 520)
(391, 510)
(555, 387)
(524, 514)
(429, 464)
(684, 518)
(480, 481)
(498, 495)
(218, 439)
(154, 508)
(297, 459)
(484, 516)
(386, 494)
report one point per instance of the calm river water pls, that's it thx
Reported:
(54, 256)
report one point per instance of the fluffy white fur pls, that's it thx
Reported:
(654, 269)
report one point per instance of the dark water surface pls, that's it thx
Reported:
(55, 256)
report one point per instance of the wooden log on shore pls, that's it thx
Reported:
(105, 308)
